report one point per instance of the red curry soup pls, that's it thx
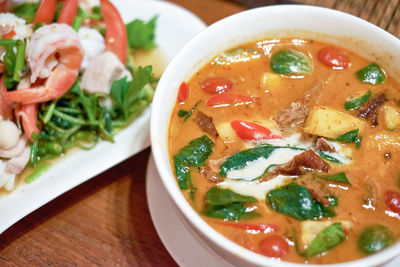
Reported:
(291, 149)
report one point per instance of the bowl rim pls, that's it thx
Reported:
(165, 168)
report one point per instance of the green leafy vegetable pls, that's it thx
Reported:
(354, 103)
(328, 238)
(237, 55)
(333, 200)
(217, 196)
(340, 177)
(228, 205)
(241, 159)
(186, 114)
(296, 201)
(26, 11)
(141, 35)
(132, 97)
(372, 74)
(195, 155)
(95, 15)
(374, 238)
(328, 157)
(291, 62)
(350, 137)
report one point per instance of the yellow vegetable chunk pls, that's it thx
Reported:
(270, 81)
(226, 132)
(392, 117)
(310, 229)
(330, 123)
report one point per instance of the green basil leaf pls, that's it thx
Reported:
(374, 238)
(291, 61)
(182, 113)
(333, 200)
(190, 112)
(354, 103)
(326, 239)
(372, 74)
(141, 35)
(195, 155)
(237, 55)
(234, 211)
(119, 89)
(351, 137)
(340, 177)
(296, 201)
(328, 157)
(26, 11)
(217, 196)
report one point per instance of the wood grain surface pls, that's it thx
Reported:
(106, 220)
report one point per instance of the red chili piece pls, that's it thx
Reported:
(250, 131)
(183, 93)
(392, 200)
(334, 58)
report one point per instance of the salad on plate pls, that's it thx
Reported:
(67, 80)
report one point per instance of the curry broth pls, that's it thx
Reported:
(371, 165)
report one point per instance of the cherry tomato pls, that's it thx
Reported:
(46, 11)
(392, 200)
(273, 246)
(216, 85)
(227, 99)
(250, 131)
(183, 93)
(334, 58)
(116, 36)
(68, 12)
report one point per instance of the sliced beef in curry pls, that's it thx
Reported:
(289, 118)
(370, 109)
(211, 169)
(317, 188)
(308, 159)
(206, 124)
(323, 145)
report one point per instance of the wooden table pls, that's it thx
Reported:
(106, 220)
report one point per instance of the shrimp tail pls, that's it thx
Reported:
(28, 115)
(55, 86)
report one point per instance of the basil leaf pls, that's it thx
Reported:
(182, 113)
(333, 200)
(228, 205)
(217, 196)
(234, 211)
(291, 61)
(372, 74)
(355, 103)
(190, 112)
(328, 157)
(374, 238)
(195, 155)
(296, 201)
(237, 55)
(26, 11)
(141, 35)
(351, 137)
(340, 177)
(326, 239)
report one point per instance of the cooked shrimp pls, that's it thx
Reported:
(5, 105)
(54, 54)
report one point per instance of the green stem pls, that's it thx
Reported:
(19, 61)
(68, 117)
(8, 42)
(37, 173)
(77, 23)
(49, 112)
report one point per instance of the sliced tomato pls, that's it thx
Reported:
(116, 36)
(46, 11)
(227, 99)
(216, 85)
(333, 57)
(392, 200)
(3, 6)
(250, 131)
(183, 93)
(9, 35)
(273, 246)
(266, 228)
(68, 12)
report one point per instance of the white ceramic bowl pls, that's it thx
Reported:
(267, 22)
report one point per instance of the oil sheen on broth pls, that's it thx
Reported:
(290, 148)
